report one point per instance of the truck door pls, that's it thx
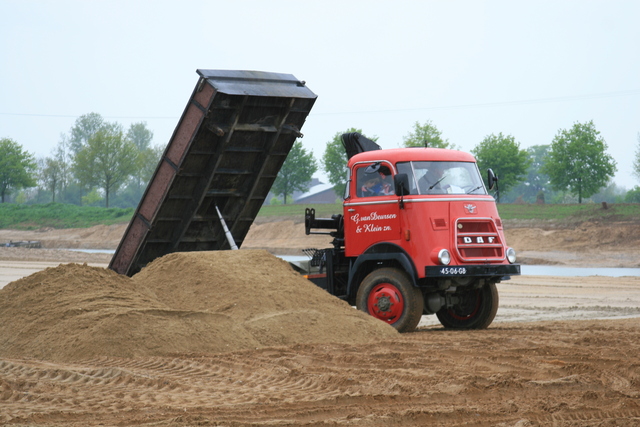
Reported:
(371, 214)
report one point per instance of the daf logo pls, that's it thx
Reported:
(470, 208)
(478, 239)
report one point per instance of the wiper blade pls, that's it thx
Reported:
(477, 188)
(437, 182)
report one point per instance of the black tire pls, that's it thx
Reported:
(388, 294)
(476, 310)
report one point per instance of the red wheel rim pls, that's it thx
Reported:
(385, 302)
(474, 305)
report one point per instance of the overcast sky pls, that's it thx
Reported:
(473, 68)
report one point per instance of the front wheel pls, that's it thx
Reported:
(475, 309)
(388, 294)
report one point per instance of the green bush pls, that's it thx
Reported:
(633, 195)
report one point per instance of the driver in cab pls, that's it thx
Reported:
(434, 181)
(377, 182)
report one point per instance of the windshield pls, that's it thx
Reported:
(443, 177)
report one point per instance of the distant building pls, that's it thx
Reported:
(318, 193)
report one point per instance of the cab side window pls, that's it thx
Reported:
(374, 180)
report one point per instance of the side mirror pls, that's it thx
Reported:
(492, 179)
(401, 184)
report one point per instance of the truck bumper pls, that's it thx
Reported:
(500, 270)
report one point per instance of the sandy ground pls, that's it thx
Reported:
(562, 351)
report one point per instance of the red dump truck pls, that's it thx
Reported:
(419, 234)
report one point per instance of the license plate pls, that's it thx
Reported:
(453, 271)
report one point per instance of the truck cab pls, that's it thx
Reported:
(419, 234)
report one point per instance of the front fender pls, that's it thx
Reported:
(386, 254)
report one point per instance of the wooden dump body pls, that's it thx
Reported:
(231, 141)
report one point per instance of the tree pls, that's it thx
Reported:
(107, 159)
(577, 161)
(536, 183)
(636, 160)
(130, 195)
(502, 154)
(633, 195)
(611, 193)
(537, 180)
(83, 129)
(149, 159)
(69, 190)
(140, 135)
(16, 167)
(50, 175)
(296, 172)
(426, 134)
(334, 160)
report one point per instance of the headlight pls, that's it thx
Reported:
(444, 257)
(511, 255)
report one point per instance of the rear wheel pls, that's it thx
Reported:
(388, 294)
(476, 308)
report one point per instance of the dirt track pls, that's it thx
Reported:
(519, 372)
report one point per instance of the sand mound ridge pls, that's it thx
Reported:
(182, 303)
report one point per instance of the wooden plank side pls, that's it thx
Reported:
(157, 191)
(184, 134)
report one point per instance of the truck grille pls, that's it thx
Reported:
(478, 240)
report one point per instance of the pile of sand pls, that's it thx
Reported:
(201, 302)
